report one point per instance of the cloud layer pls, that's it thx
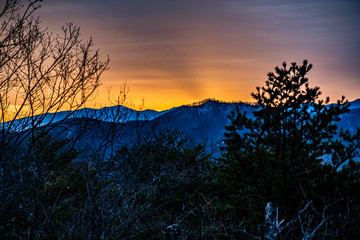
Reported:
(180, 51)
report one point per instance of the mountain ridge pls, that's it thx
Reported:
(202, 123)
(120, 113)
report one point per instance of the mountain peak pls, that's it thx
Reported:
(209, 101)
(355, 104)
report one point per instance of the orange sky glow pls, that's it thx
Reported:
(171, 53)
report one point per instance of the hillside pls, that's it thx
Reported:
(203, 123)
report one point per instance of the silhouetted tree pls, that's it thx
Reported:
(292, 153)
(40, 74)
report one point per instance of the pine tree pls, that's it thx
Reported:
(279, 155)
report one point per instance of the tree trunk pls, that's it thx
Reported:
(271, 221)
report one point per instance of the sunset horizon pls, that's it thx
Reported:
(170, 54)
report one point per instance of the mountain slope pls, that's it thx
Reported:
(115, 114)
(202, 123)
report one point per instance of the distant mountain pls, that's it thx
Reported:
(202, 123)
(115, 114)
(355, 104)
(118, 114)
(351, 120)
(109, 128)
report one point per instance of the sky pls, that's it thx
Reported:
(175, 52)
